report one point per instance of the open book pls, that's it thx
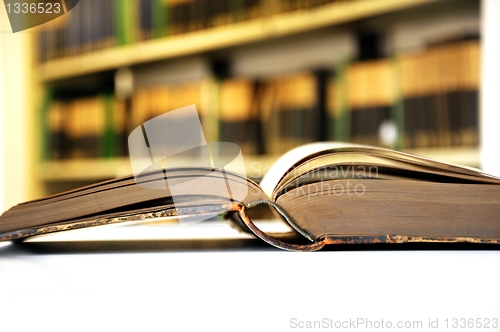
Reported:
(328, 193)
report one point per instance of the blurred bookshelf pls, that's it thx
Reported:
(268, 26)
(423, 100)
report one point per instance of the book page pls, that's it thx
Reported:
(296, 158)
(285, 162)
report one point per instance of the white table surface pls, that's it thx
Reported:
(237, 286)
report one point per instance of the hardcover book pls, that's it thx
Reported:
(328, 193)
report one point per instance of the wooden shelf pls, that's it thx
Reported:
(220, 37)
(100, 169)
(461, 156)
(83, 169)
(255, 167)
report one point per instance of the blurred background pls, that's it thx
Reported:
(267, 75)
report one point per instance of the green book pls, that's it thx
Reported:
(125, 23)
(161, 18)
(108, 139)
(342, 121)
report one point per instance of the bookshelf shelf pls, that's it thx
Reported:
(83, 169)
(219, 37)
(255, 167)
(466, 156)
(99, 169)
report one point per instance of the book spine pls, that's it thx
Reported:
(98, 128)
(180, 16)
(194, 16)
(292, 110)
(175, 18)
(145, 19)
(70, 130)
(236, 10)
(49, 125)
(370, 91)
(184, 12)
(469, 87)
(71, 40)
(342, 111)
(330, 105)
(259, 92)
(409, 91)
(51, 42)
(110, 33)
(449, 86)
(251, 9)
(446, 84)
(95, 23)
(320, 114)
(125, 21)
(237, 123)
(109, 140)
(397, 108)
(220, 12)
(429, 92)
(119, 25)
(284, 106)
(43, 44)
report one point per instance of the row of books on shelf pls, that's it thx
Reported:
(97, 24)
(415, 100)
(91, 127)
(431, 96)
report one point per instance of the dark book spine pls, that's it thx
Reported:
(51, 43)
(411, 110)
(470, 132)
(60, 39)
(219, 12)
(68, 143)
(72, 41)
(469, 87)
(87, 26)
(408, 85)
(367, 122)
(93, 24)
(47, 128)
(236, 10)
(109, 35)
(184, 16)
(175, 18)
(196, 8)
(330, 104)
(239, 121)
(146, 19)
(110, 132)
(257, 115)
(161, 18)
(251, 9)
(43, 45)
(342, 113)
(319, 129)
(455, 116)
